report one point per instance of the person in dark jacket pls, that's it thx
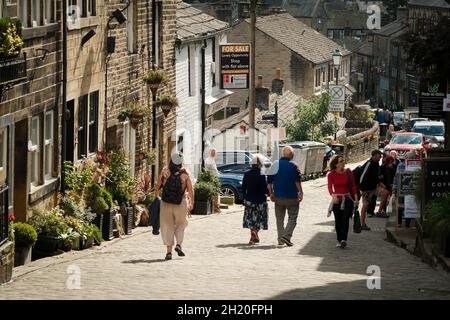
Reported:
(387, 173)
(254, 188)
(368, 183)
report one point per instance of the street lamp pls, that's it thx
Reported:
(337, 59)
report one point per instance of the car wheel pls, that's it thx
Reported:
(228, 191)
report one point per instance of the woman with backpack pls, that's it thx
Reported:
(176, 203)
(342, 189)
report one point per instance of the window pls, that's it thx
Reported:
(34, 150)
(87, 8)
(323, 73)
(330, 70)
(48, 145)
(93, 122)
(49, 11)
(3, 154)
(317, 78)
(129, 144)
(191, 70)
(232, 111)
(87, 124)
(36, 13)
(82, 124)
(157, 33)
(213, 53)
(23, 13)
(219, 115)
(3, 12)
(330, 34)
(131, 43)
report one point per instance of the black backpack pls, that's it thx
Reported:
(357, 173)
(173, 191)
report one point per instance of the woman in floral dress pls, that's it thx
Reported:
(254, 187)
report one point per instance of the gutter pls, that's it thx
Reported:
(64, 98)
(201, 38)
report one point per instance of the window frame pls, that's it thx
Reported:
(129, 144)
(87, 141)
(34, 149)
(3, 155)
(191, 71)
(131, 28)
(213, 54)
(48, 142)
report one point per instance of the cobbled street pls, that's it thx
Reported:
(221, 265)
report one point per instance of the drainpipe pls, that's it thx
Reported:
(64, 98)
(203, 94)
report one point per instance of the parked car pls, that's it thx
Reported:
(399, 120)
(238, 157)
(431, 128)
(407, 141)
(412, 121)
(231, 176)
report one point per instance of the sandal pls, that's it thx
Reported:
(179, 251)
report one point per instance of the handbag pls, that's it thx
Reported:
(356, 221)
(154, 209)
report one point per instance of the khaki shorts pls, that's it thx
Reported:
(366, 199)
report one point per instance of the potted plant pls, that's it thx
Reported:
(203, 195)
(135, 112)
(10, 38)
(155, 78)
(101, 202)
(25, 238)
(50, 227)
(437, 216)
(166, 103)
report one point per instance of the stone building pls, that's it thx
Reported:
(303, 55)
(199, 37)
(30, 106)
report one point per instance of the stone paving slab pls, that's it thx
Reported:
(219, 264)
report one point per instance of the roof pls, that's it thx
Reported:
(298, 37)
(287, 106)
(365, 49)
(430, 3)
(193, 23)
(392, 28)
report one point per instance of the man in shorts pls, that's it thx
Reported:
(368, 184)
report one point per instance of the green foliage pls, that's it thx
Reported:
(93, 231)
(211, 179)
(10, 37)
(204, 191)
(74, 207)
(166, 100)
(437, 216)
(430, 52)
(310, 117)
(49, 223)
(119, 182)
(134, 111)
(156, 77)
(78, 179)
(24, 234)
(98, 198)
(392, 7)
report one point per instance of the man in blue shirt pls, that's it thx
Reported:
(285, 189)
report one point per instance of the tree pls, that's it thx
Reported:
(392, 7)
(310, 122)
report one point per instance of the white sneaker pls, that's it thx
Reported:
(343, 244)
(338, 245)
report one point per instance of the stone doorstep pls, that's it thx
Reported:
(78, 254)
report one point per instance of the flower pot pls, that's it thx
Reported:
(166, 109)
(22, 256)
(76, 243)
(86, 243)
(108, 226)
(202, 207)
(98, 221)
(47, 244)
(128, 223)
(135, 122)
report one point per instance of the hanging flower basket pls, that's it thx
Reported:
(134, 112)
(167, 103)
(155, 78)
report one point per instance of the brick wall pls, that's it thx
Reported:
(360, 145)
(125, 72)
(40, 92)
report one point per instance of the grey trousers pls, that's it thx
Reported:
(292, 207)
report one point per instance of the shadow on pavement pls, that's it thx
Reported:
(246, 246)
(328, 223)
(144, 261)
(349, 260)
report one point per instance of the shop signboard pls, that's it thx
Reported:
(437, 181)
(235, 66)
(431, 98)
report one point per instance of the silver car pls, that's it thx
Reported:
(431, 128)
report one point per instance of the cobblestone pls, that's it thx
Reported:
(220, 265)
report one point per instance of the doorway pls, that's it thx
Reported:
(20, 169)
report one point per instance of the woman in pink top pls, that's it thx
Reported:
(342, 188)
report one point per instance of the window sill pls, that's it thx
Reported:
(41, 191)
(40, 31)
(87, 22)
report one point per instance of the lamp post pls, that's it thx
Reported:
(337, 59)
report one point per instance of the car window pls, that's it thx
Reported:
(406, 139)
(429, 130)
(241, 158)
(219, 158)
(229, 157)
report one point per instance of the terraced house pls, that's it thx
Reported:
(62, 92)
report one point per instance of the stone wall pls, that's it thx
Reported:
(6, 262)
(360, 145)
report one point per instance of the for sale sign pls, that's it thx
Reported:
(235, 66)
